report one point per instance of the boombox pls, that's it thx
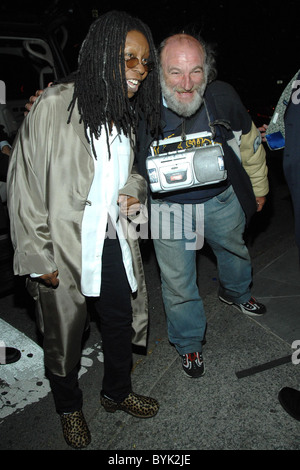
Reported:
(187, 166)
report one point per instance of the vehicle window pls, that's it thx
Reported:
(26, 65)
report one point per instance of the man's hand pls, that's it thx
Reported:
(262, 131)
(129, 205)
(33, 98)
(260, 202)
(6, 150)
(50, 280)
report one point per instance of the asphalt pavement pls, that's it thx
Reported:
(234, 406)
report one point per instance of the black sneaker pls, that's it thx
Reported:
(289, 399)
(193, 364)
(252, 307)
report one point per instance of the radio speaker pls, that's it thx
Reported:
(208, 164)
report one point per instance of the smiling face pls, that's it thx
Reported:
(183, 78)
(136, 46)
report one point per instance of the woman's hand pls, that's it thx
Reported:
(129, 205)
(50, 280)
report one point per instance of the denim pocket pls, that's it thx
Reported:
(226, 196)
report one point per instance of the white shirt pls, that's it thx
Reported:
(110, 176)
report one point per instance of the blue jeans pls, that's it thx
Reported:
(177, 234)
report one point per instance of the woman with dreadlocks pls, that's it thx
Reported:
(71, 183)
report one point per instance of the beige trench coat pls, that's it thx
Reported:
(49, 178)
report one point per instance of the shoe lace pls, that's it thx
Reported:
(252, 303)
(192, 357)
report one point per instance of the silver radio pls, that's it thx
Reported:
(183, 168)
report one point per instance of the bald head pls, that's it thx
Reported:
(180, 42)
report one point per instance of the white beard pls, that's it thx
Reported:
(182, 109)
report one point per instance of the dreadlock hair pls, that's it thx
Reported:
(100, 87)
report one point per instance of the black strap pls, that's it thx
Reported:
(238, 176)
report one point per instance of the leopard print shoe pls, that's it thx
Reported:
(75, 429)
(136, 405)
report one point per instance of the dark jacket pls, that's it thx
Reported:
(4, 160)
(244, 154)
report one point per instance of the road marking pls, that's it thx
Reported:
(23, 382)
(262, 367)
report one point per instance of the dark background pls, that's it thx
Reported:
(257, 43)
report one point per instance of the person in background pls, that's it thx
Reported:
(8, 355)
(283, 133)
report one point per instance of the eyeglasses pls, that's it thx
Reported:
(134, 61)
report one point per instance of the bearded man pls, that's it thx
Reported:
(194, 102)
